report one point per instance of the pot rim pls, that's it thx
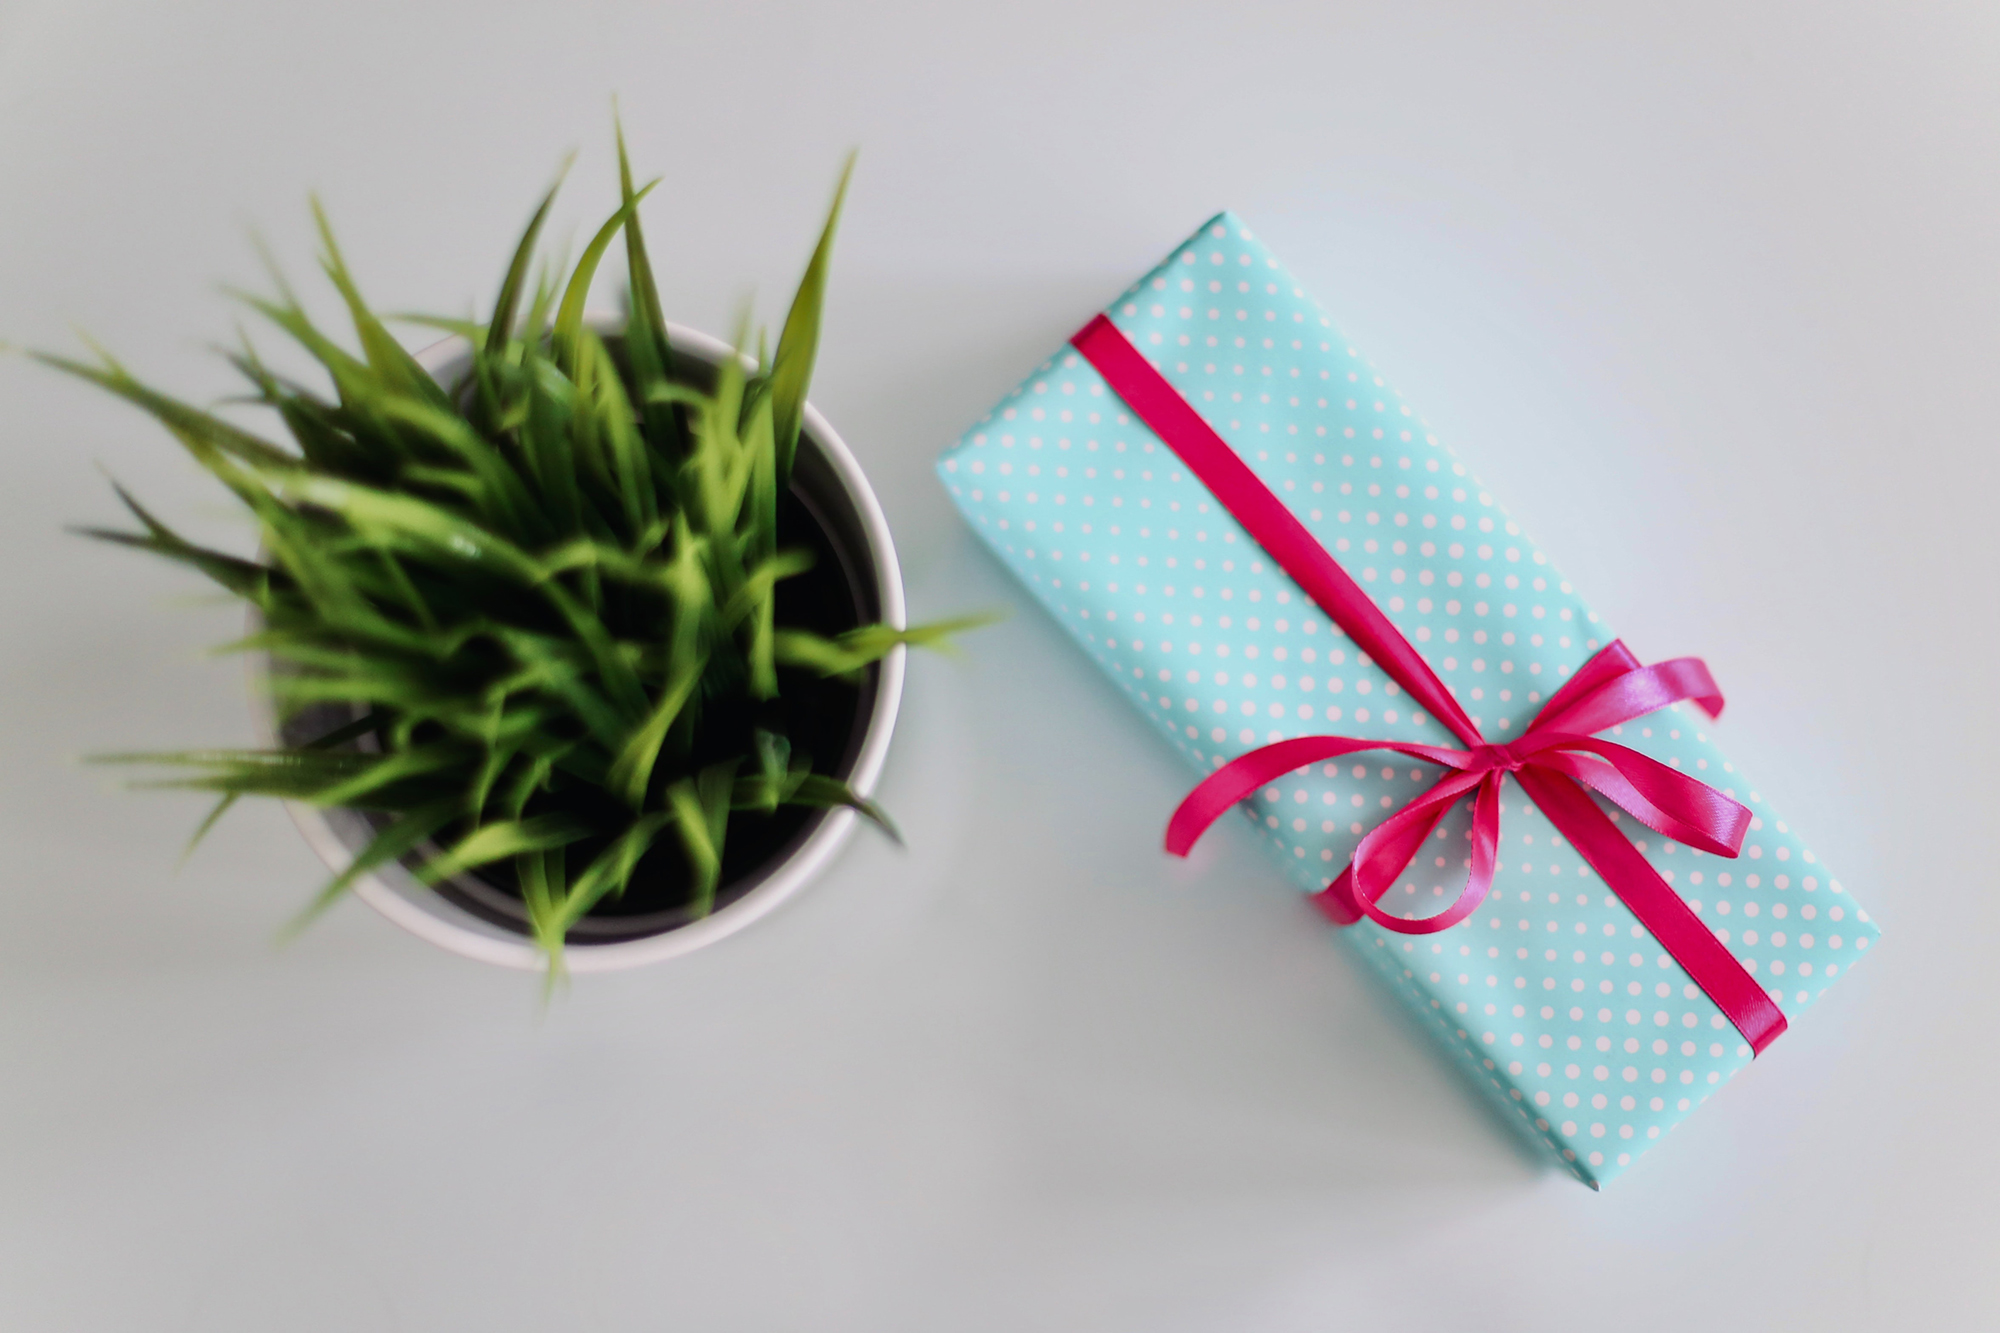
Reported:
(399, 896)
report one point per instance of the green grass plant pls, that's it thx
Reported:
(547, 596)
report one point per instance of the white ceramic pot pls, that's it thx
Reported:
(451, 917)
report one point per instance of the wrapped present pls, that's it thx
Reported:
(1530, 833)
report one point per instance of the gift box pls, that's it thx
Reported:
(1532, 835)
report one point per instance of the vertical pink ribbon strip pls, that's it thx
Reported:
(1555, 760)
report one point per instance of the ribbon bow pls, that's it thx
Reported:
(1554, 761)
(1612, 688)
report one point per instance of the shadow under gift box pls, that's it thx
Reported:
(1566, 1008)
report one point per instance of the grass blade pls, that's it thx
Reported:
(395, 366)
(496, 842)
(821, 790)
(798, 342)
(569, 315)
(700, 810)
(501, 328)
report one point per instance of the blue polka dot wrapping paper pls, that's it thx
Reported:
(1575, 1021)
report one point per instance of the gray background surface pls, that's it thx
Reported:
(1705, 291)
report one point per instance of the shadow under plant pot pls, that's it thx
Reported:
(855, 580)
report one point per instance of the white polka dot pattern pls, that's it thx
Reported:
(1563, 1007)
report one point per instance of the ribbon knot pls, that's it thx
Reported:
(1558, 761)
(1491, 758)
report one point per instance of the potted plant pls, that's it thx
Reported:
(578, 637)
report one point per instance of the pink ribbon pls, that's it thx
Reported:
(1554, 761)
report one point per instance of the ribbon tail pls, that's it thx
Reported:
(1659, 909)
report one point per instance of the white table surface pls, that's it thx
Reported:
(1705, 291)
